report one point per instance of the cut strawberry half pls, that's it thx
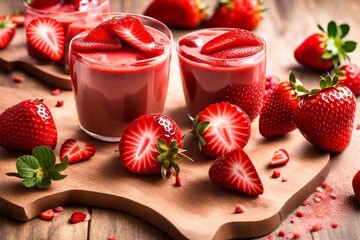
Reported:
(233, 38)
(76, 150)
(77, 217)
(47, 36)
(235, 171)
(280, 157)
(47, 215)
(221, 128)
(132, 31)
(7, 32)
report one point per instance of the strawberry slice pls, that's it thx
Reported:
(7, 32)
(221, 128)
(280, 157)
(233, 38)
(151, 144)
(47, 36)
(237, 52)
(191, 41)
(133, 32)
(18, 18)
(47, 215)
(77, 217)
(77, 150)
(235, 171)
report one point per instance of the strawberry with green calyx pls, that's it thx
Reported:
(325, 116)
(326, 50)
(245, 14)
(39, 168)
(178, 13)
(277, 114)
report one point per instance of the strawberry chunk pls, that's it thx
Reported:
(233, 38)
(47, 215)
(47, 36)
(133, 32)
(191, 41)
(77, 217)
(280, 157)
(77, 150)
(235, 171)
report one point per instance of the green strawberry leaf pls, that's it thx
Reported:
(45, 156)
(344, 30)
(332, 29)
(39, 168)
(349, 46)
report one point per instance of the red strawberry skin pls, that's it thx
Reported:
(356, 186)
(235, 171)
(277, 114)
(310, 51)
(245, 14)
(7, 32)
(351, 77)
(27, 125)
(137, 149)
(177, 13)
(229, 128)
(326, 119)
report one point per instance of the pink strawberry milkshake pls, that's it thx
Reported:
(66, 13)
(112, 88)
(234, 74)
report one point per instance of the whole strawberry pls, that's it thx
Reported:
(178, 13)
(245, 14)
(356, 186)
(277, 114)
(221, 128)
(325, 50)
(151, 144)
(7, 32)
(349, 75)
(325, 116)
(235, 171)
(27, 125)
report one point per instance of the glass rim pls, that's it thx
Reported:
(44, 12)
(138, 63)
(211, 61)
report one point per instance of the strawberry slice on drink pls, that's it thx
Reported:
(221, 128)
(151, 144)
(46, 35)
(77, 150)
(130, 30)
(235, 171)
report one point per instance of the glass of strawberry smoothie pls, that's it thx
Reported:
(222, 64)
(112, 84)
(65, 12)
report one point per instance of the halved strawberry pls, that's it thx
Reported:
(235, 171)
(230, 39)
(47, 36)
(280, 157)
(7, 32)
(151, 144)
(221, 128)
(47, 215)
(77, 150)
(133, 32)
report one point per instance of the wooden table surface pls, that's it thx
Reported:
(285, 24)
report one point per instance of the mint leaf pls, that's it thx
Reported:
(45, 156)
(39, 168)
(27, 166)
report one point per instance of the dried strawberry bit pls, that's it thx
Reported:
(316, 199)
(239, 208)
(316, 227)
(318, 189)
(292, 220)
(56, 92)
(334, 224)
(18, 79)
(305, 202)
(281, 233)
(324, 184)
(296, 235)
(358, 126)
(276, 174)
(111, 238)
(58, 209)
(299, 213)
(319, 195)
(60, 103)
(178, 181)
(284, 179)
(77, 217)
(333, 196)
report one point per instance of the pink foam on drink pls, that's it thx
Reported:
(113, 88)
(207, 80)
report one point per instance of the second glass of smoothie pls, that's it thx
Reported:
(234, 72)
(113, 87)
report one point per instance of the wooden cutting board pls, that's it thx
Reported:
(15, 57)
(197, 210)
